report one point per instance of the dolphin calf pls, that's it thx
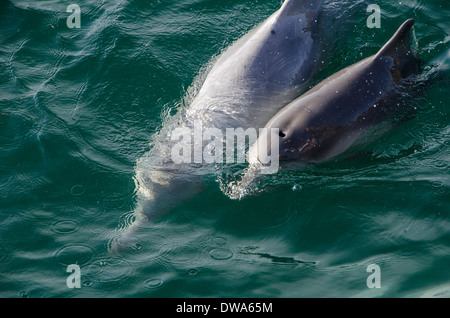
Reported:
(327, 119)
(248, 83)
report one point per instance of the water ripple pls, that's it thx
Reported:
(181, 254)
(75, 254)
(65, 226)
(107, 270)
(153, 283)
(220, 254)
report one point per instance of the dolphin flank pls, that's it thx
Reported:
(327, 119)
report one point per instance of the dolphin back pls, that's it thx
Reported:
(291, 7)
(399, 48)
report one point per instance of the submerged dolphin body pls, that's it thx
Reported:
(327, 119)
(249, 83)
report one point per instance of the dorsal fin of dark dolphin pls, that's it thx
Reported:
(399, 48)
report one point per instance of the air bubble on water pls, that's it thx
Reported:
(77, 189)
(220, 254)
(192, 272)
(220, 241)
(153, 283)
(65, 226)
(75, 254)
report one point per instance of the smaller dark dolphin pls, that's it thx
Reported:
(327, 119)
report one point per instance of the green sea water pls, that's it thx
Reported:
(78, 107)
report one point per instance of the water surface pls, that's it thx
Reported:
(79, 106)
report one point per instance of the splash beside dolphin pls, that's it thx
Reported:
(249, 83)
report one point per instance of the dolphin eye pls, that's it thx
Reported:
(282, 133)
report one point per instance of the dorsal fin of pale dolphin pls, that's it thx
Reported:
(399, 48)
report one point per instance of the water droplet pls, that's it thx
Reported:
(192, 272)
(77, 190)
(220, 254)
(107, 270)
(75, 254)
(97, 230)
(441, 164)
(87, 283)
(115, 270)
(65, 226)
(136, 247)
(153, 283)
(296, 187)
(220, 241)
(437, 184)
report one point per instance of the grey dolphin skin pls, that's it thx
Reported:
(327, 119)
(248, 83)
(262, 71)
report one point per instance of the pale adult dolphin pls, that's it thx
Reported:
(249, 83)
(327, 119)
